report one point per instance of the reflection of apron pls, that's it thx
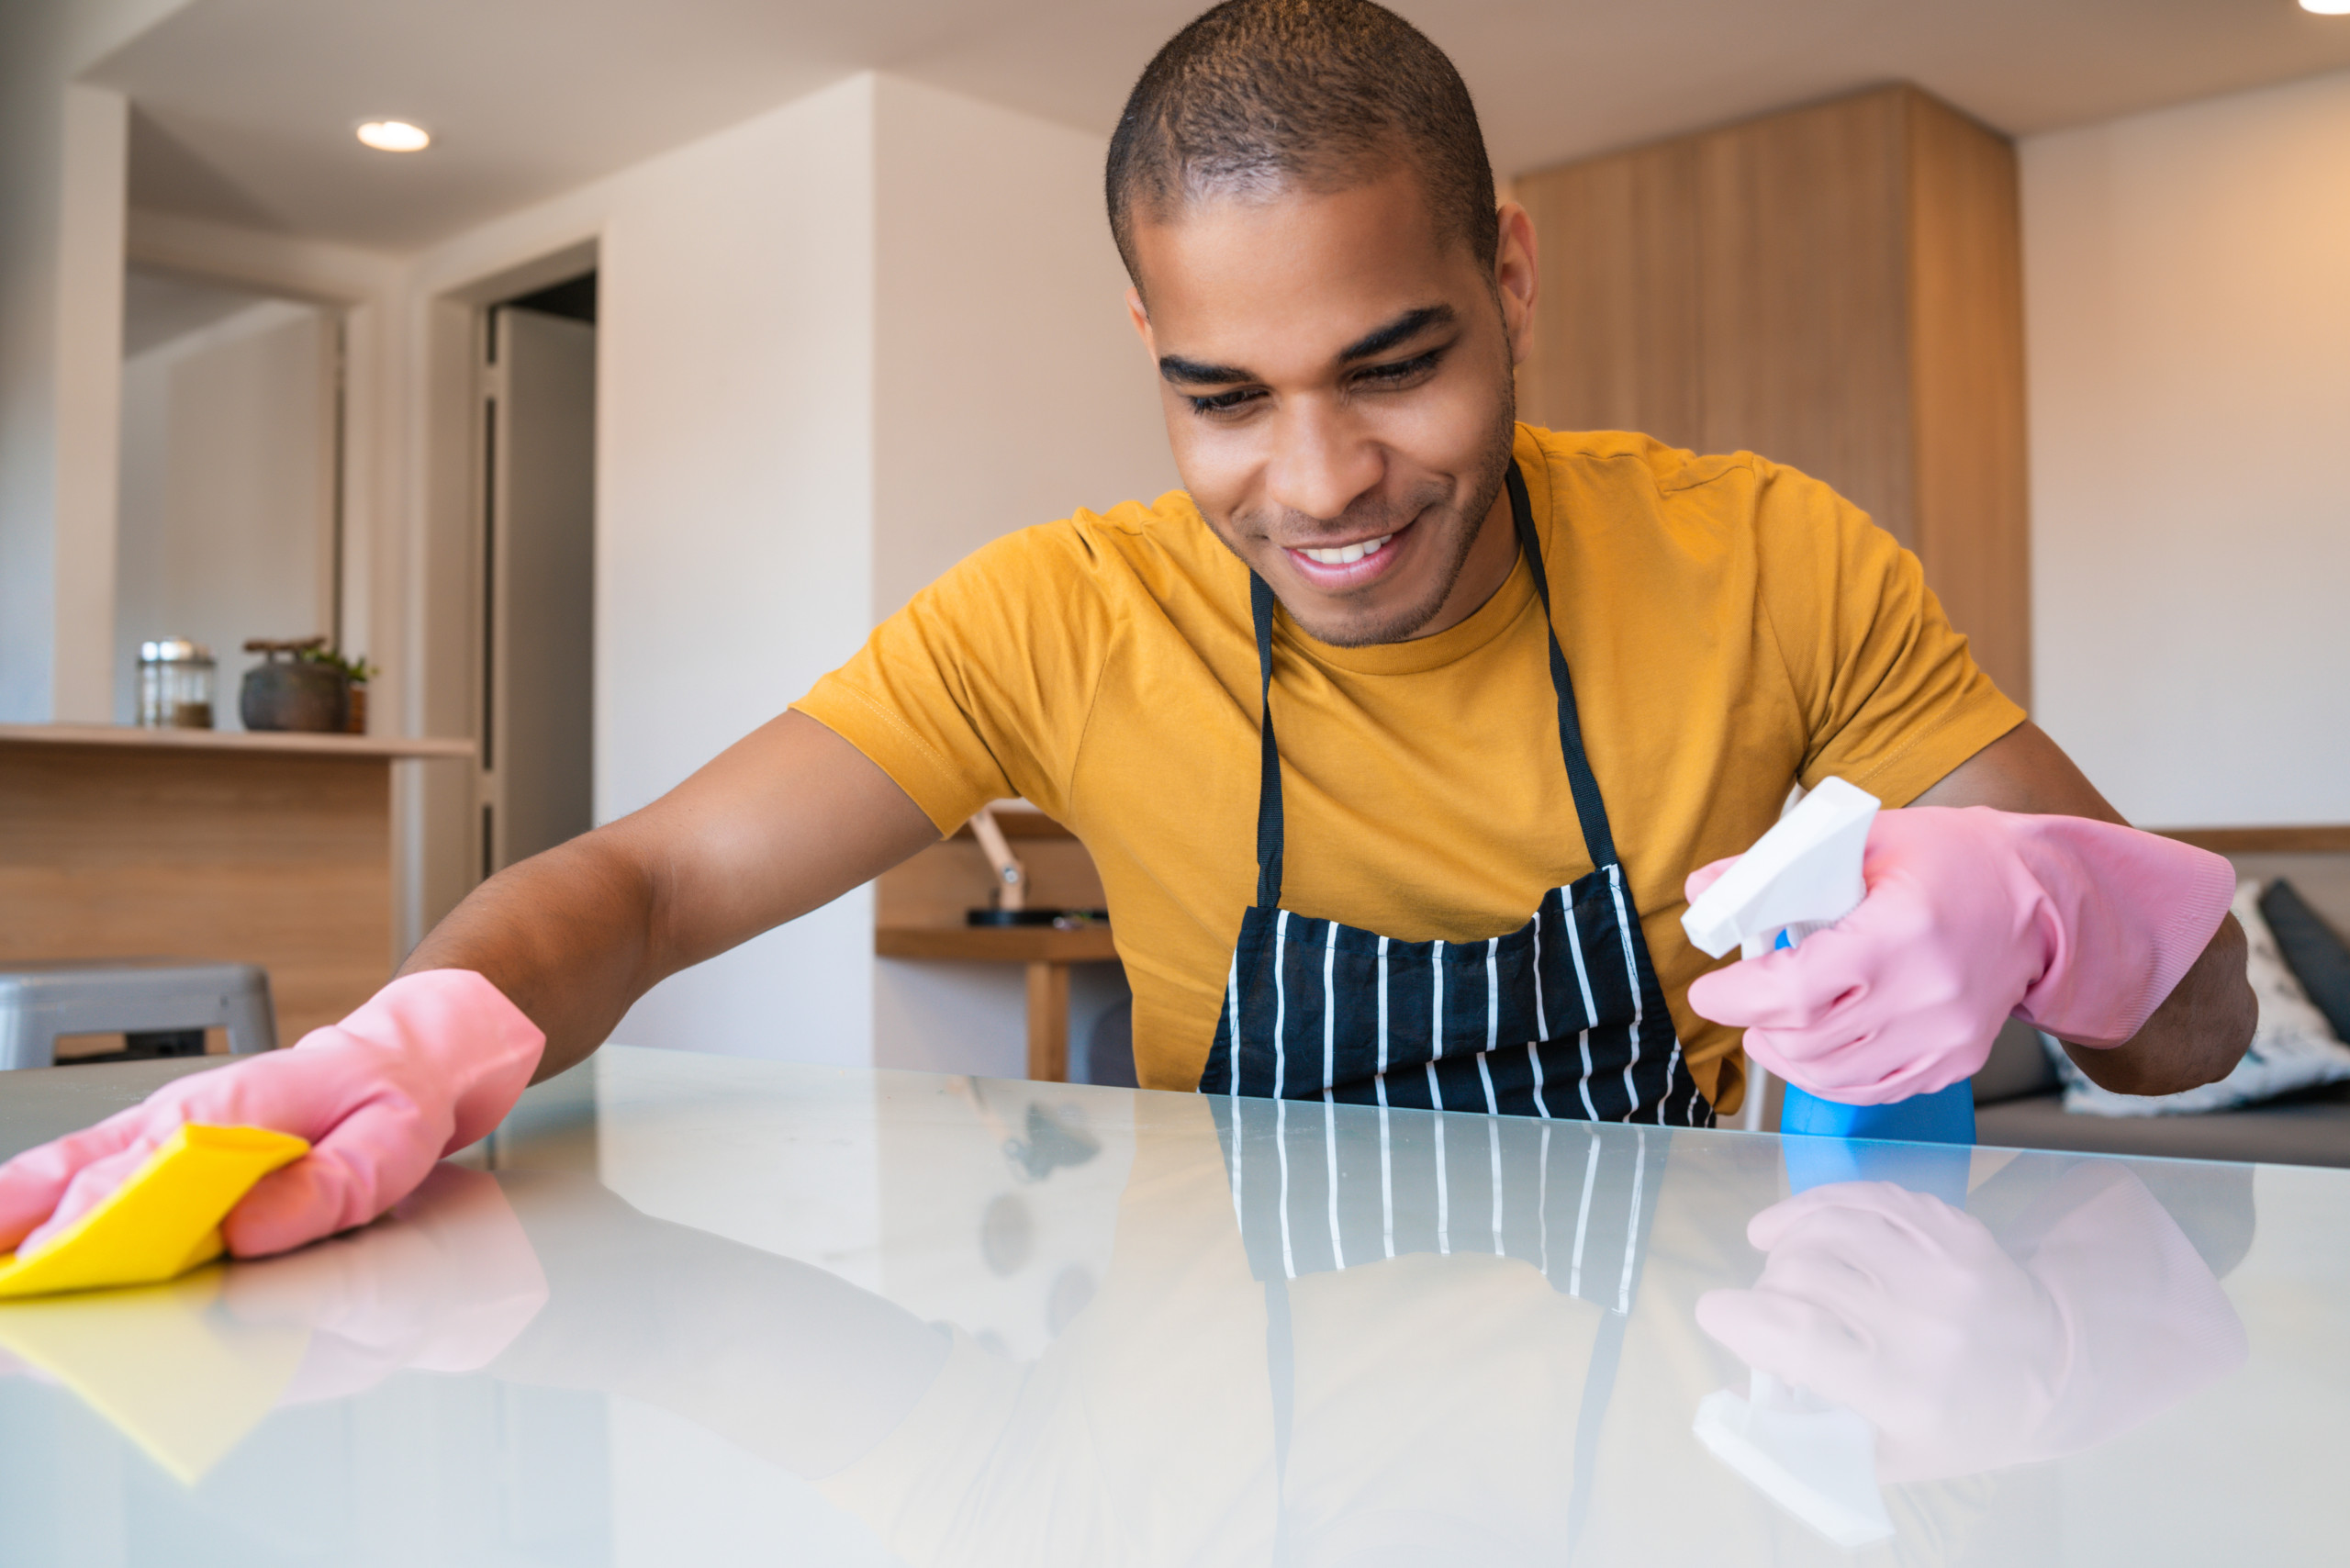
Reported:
(1561, 1017)
(1577, 1206)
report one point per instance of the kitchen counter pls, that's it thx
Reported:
(689, 1308)
(273, 850)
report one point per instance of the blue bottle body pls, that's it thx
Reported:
(1947, 1116)
(1944, 1117)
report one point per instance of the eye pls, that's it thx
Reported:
(1402, 372)
(1217, 403)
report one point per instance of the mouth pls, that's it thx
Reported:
(1345, 565)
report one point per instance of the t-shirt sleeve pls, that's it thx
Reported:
(978, 690)
(1893, 699)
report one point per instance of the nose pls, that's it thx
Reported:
(1321, 464)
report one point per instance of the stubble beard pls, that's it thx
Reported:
(1468, 523)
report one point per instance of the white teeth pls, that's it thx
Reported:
(1347, 556)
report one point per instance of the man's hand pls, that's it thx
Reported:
(431, 1063)
(2009, 888)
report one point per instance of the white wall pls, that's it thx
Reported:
(62, 167)
(226, 522)
(1008, 390)
(2188, 297)
(1009, 387)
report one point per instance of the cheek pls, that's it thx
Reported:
(1217, 466)
(1447, 429)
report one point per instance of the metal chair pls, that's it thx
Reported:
(162, 1006)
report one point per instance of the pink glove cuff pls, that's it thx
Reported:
(2124, 915)
(487, 1044)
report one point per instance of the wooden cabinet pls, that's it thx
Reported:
(1837, 287)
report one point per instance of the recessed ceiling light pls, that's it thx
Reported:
(398, 136)
(2327, 8)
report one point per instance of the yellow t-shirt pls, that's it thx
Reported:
(1732, 627)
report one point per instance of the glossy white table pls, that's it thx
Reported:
(686, 1309)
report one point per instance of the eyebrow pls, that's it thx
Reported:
(1185, 372)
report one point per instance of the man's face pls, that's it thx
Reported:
(1336, 386)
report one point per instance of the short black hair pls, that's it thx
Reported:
(1259, 96)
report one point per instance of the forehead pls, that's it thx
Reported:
(1228, 271)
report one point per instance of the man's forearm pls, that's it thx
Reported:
(565, 934)
(787, 819)
(2196, 1037)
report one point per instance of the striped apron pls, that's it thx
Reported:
(1562, 1018)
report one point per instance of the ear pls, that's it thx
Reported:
(1140, 315)
(1517, 278)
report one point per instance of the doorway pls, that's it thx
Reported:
(535, 768)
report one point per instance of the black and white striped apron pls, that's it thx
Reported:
(1562, 1018)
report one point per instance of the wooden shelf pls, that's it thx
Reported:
(281, 741)
(2320, 838)
(1021, 820)
(996, 944)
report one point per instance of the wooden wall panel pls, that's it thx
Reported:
(1615, 320)
(1837, 287)
(279, 860)
(1802, 347)
(1967, 388)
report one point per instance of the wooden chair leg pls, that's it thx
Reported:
(1048, 1022)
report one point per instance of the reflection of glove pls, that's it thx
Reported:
(444, 1285)
(432, 1062)
(2078, 927)
(1905, 1311)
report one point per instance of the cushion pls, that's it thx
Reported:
(2312, 950)
(2293, 1047)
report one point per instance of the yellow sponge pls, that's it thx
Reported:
(162, 1222)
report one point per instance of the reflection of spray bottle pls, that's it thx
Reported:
(1804, 875)
(1816, 1460)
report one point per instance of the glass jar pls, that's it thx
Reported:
(175, 685)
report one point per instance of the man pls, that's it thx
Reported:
(1463, 701)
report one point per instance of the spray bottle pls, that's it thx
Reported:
(1801, 876)
(1817, 1459)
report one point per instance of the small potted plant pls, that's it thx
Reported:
(303, 685)
(356, 673)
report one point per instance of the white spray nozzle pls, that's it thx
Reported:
(1804, 873)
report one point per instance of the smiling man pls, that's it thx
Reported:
(1396, 735)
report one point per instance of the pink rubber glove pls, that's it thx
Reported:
(2078, 927)
(431, 1063)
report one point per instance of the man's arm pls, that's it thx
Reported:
(783, 822)
(2200, 1032)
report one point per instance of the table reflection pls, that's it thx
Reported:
(1325, 1334)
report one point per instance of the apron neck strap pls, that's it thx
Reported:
(1268, 786)
(1590, 809)
(1598, 838)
